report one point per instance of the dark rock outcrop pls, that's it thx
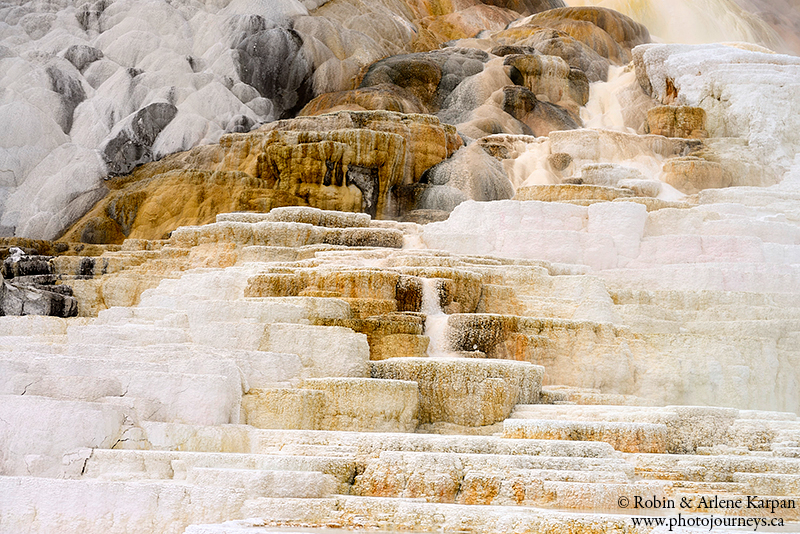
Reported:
(82, 55)
(273, 62)
(240, 124)
(550, 42)
(470, 173)
(539, 117)
(133, 144)
(70, 89)
(429, 76)
(27, 287)
(20, 264)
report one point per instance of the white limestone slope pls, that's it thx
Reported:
(754, 95)
(235, 388)
(712, 290)
(74, 74)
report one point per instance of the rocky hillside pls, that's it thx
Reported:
(94, 90)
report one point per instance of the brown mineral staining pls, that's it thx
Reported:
(560, 160)
(624, 31)
(691, 174)
(677, 121)
(387, 97)
(152, 207)
(608, 33)
(348, 161)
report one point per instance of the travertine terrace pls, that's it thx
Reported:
(461, 267)
(277, 368)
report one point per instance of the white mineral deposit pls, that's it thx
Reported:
(468, 266)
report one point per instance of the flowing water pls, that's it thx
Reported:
(435, 320)
(694, 21)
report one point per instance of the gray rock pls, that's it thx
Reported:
(470, 170)
(537, 117)
(273, 61)
(507, 50)
(578, 55)
(88, 14)
(441, 198)
(430, 76)
(82, 55)
(132, 146)
(240, 124)
(197, 64)
(18, 265)
(37, 25)
(366, 179)
(462, 101)
(71, 91)
(27, 287)
(425, 217)
(32, 300)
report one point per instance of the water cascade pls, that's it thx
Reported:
(435, 319)
(705, 21)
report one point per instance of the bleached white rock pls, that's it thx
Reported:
(325, 351)
(129, 334)
(69, 425)
(705, 234)
(256, 369)
(263, 483)
(56, 194)
(215, 103)
(33, 325)
(85, 505)
(81, 388)
(625, 222)
(536, 230)
(119, 464)
(746, 94)
(23, 147)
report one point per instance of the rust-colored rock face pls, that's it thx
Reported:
(677, 121)
(607, 33)
(349, 161)
(152, 207)
(526, 7)
(384, 96)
